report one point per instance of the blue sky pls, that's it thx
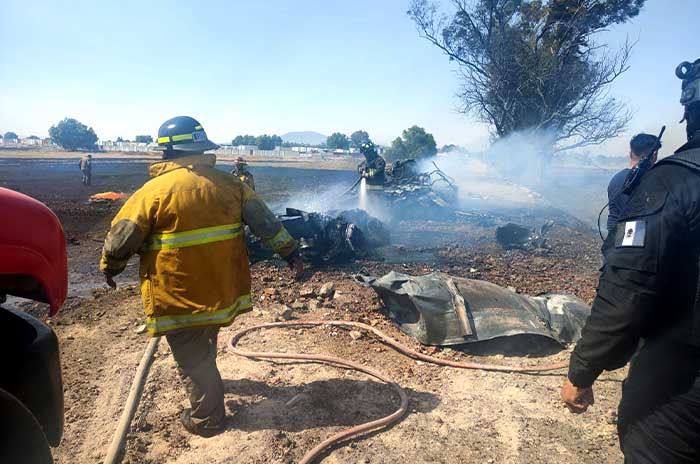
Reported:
(276, 66)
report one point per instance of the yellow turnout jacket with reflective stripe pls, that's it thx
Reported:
(187, 225)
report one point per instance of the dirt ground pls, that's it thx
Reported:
(278, 411)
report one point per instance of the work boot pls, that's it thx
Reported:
(198, 429)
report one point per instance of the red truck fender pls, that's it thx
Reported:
(33, 262)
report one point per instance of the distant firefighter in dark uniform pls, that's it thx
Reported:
(649, 292)
(85, 165)
(372, 168)
(240, 171)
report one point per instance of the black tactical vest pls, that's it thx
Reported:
(690, 159)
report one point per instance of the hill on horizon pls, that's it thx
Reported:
(305, 138)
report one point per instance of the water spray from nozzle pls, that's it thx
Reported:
(362, 197)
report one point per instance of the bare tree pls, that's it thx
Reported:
(534, 64)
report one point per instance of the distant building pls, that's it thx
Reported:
(31, 140)
(247, 149)
(109, 145)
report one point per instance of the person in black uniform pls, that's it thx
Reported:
(372, 168)
(640, 145)
(649, 292)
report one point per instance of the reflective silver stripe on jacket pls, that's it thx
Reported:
(193, 237)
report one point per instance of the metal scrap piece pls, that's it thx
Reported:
(425, 308)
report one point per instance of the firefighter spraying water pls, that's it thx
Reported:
(401, 189)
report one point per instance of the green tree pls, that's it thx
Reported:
(338, 141)
(11, 136)
(534, 65)
(143, 139)
(415, 142)
(357, 138)
(73, 135)
(418, 142)
(244, 140)
(268, 142)
(119, 139)
(397, 151)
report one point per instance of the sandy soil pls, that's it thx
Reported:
(280, 410)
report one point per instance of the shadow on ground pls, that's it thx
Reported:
(321, 403)
(522, 345)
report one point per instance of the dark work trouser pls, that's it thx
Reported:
(194, 351)
(86, 177)
(659, 417)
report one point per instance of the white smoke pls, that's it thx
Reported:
(319, 199)
(522, 156)
(520, 170)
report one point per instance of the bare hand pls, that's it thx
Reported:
(110, 281)
(296, 265)
(576, 399)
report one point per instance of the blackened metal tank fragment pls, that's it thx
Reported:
(438, 309)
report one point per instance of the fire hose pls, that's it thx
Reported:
(319, 449)
(350, 189)
(132, 402)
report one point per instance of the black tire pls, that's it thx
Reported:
(21, 438)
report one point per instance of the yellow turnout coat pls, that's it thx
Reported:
(187, 225)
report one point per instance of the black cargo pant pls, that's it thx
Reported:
(194, 351)
(659, 416)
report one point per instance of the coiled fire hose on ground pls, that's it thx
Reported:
(311, 455)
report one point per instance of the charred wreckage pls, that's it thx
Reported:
(343, 235)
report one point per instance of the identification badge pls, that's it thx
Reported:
(631, 234)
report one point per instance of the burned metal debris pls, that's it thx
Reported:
(438, 309)
(376, 235)
(410, 193)
(514, 236)
(421, 193)
(338, 238)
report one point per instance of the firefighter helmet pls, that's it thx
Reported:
(183, 133)
(690, 74)
(368, 148)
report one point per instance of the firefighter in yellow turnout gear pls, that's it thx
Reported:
(187, 225)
